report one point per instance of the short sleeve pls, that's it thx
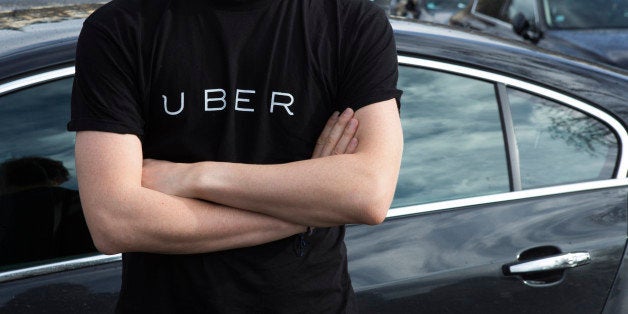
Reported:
(106, 95)
(368, 69)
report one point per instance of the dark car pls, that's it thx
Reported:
(594, 30)
(512, 197)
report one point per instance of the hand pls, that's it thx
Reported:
(338, 136)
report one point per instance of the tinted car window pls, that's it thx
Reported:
(558, 144)
(492, 8)
(506, 10)
(40, 213)
(521, 6)
(571, 14)
(454, 145)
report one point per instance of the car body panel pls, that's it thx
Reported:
(90, 289)
(617, 300)
(36, 47)
(603, 45)
(453, 258)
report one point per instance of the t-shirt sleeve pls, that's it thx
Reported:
(368, 63)
(106, 93)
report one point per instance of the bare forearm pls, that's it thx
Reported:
(318, 192)
(143, 220)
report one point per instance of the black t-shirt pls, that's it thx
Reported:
(238, 81)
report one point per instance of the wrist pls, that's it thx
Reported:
(190, 180)
(202, 180)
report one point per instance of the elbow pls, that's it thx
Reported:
(375, 213)
(375, 202)
(105, 245)
(375, 217)
(106, 235)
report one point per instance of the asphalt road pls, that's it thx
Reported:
(9, 5)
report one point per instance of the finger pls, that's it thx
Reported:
(345, 139)
(322, 139)
(353, 146)
(337, 131)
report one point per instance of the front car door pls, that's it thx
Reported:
(48, 262)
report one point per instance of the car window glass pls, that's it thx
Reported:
(40, 213)
(493, 8)
(571, 14)
(526, 7)
(454, 146)
(558, 144)
(444, 5)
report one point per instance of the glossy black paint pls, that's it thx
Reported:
(88, 290)
(37, 47)
(617, 300)
(453, 258)
(443, 261)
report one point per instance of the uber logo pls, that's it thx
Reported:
(216, 100)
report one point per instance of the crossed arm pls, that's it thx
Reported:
(155, 206)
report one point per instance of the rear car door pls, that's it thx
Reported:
(508, 201)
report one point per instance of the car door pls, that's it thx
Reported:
(45, 246)
(508, 201)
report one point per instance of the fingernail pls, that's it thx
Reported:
(348, 112)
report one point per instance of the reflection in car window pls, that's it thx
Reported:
(40, 212)
(559, 145)
(454, 146)
(571, 14)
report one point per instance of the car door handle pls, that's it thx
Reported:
(550, 263)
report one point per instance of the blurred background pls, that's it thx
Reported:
(10, 5)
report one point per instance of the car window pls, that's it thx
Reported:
(506, 10)
(526, 7)
(570, 14)
(493, 8)
(558, 144)
(454, 144)
(40, 212)
(433, 6)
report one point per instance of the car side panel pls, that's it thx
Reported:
(87, 290)
(618, 299)
(451, 261)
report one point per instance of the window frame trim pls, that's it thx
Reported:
(510, 138)
(56, 267)
(619, 176)
(36, 79)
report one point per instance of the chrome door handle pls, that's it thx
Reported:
(556, 262)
